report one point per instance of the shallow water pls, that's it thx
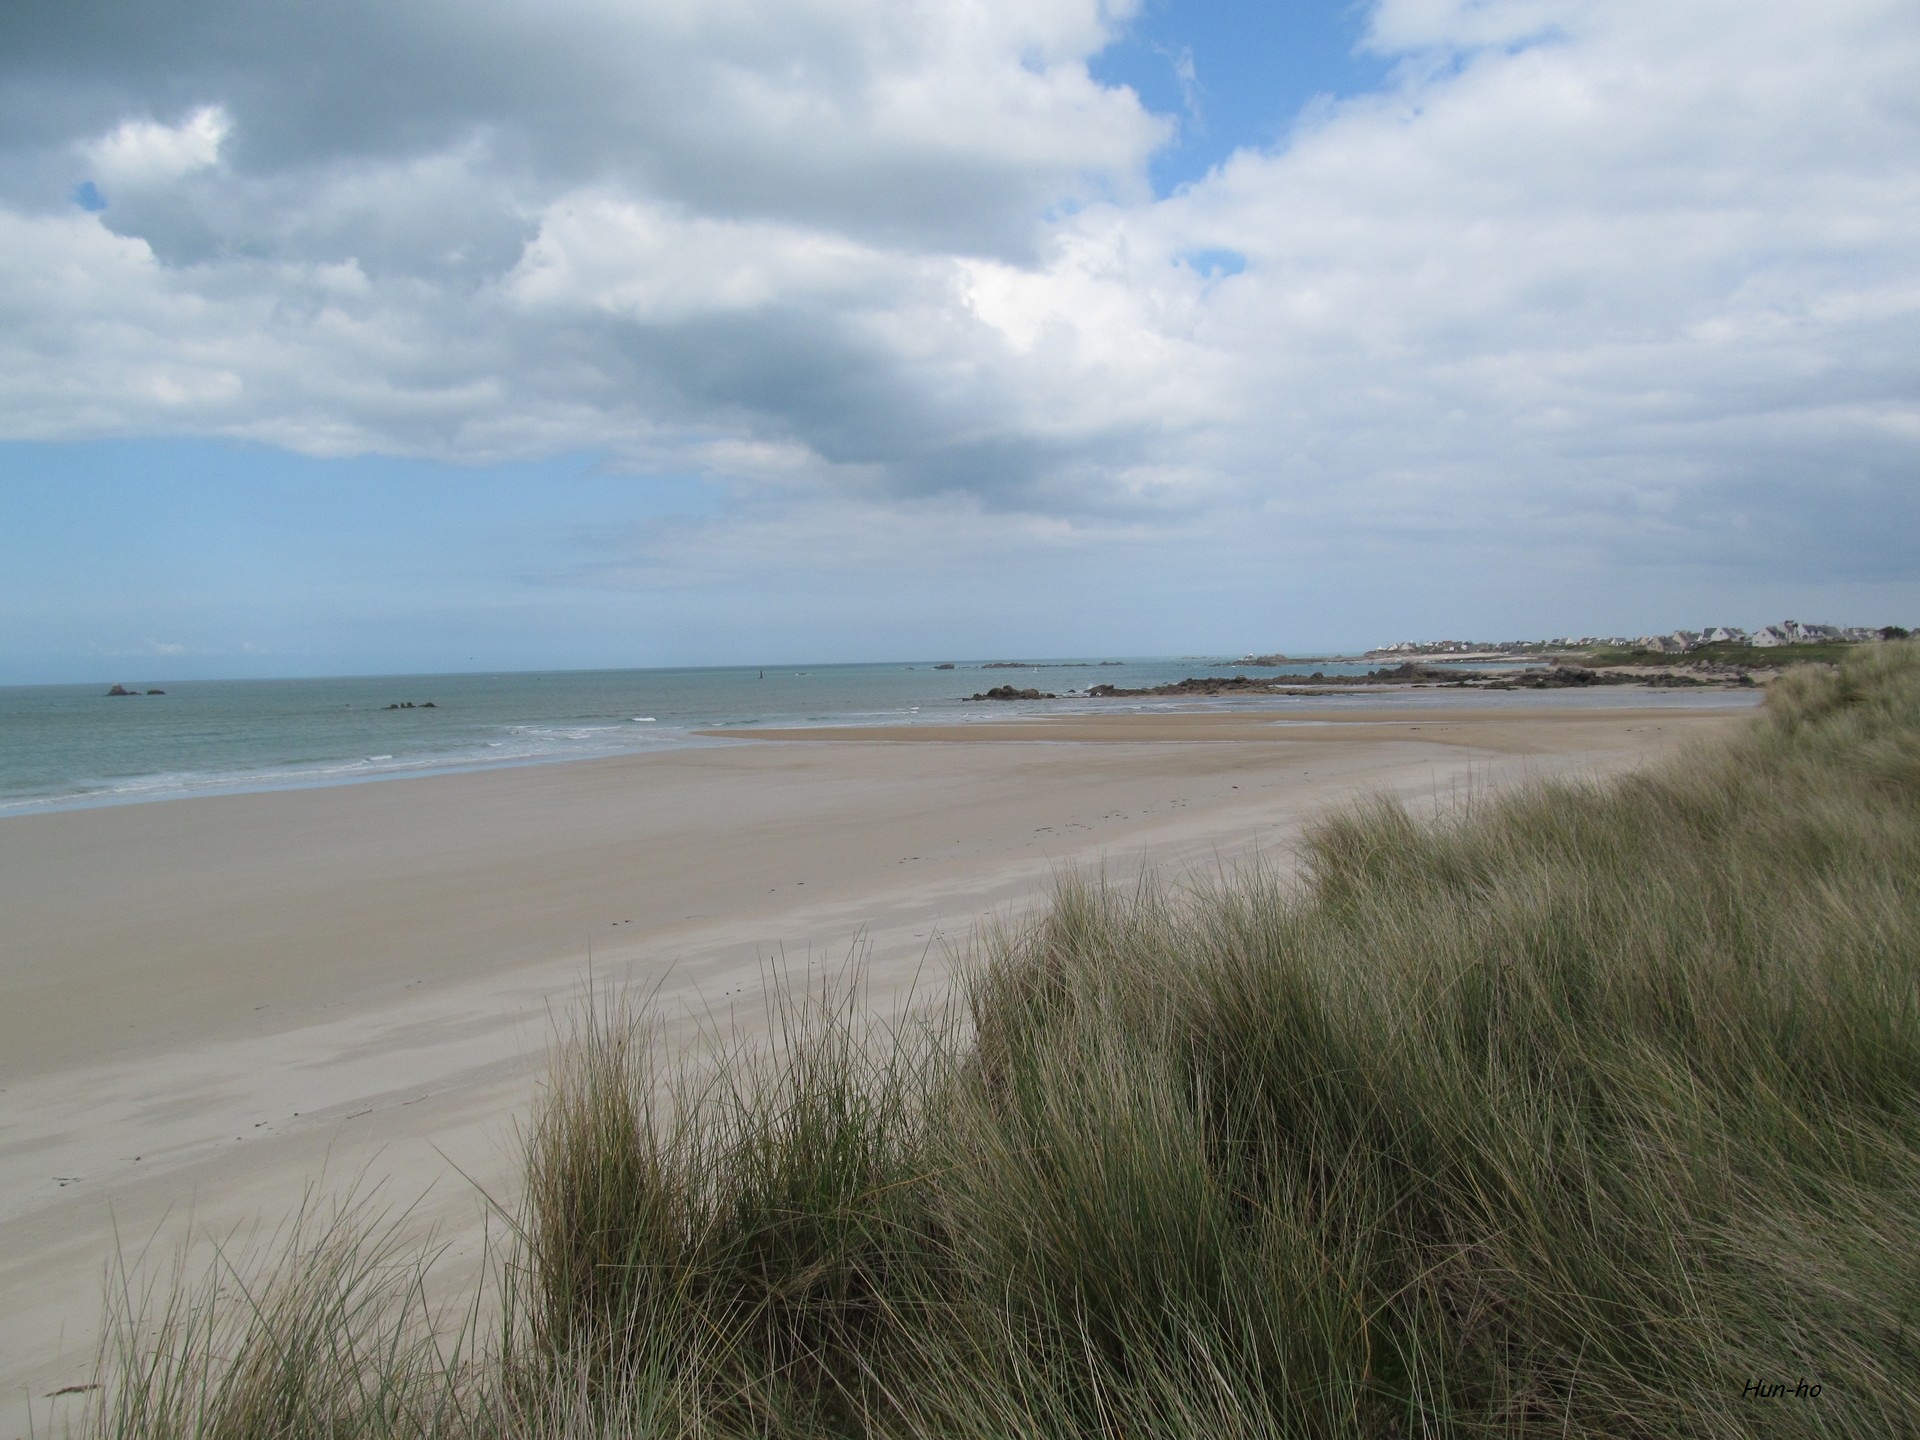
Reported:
(63, 746)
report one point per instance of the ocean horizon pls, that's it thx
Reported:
(75, 745)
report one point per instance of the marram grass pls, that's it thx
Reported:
(1589, 1110)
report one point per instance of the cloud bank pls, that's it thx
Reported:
(1609, 276)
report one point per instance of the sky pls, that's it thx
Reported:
(480, 334)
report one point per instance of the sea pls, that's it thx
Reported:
(71, 746)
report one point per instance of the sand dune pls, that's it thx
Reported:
(208, 1005)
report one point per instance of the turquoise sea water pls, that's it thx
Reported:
(70, 745)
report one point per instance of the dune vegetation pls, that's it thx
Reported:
(1589, 1109)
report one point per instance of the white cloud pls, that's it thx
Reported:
(1399, 26)
(1590, 272)
(142, 153)
(655, 264)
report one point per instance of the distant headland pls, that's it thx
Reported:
(1718, 657)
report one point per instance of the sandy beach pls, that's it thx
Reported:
(209, 1005)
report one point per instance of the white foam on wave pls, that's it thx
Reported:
(563, 732)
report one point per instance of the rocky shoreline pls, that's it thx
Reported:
(1408, 675)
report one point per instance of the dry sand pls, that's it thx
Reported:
(209, 1005)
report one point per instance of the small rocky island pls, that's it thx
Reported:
(1008, 692)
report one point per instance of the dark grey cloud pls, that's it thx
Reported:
(810, 113)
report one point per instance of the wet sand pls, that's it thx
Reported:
(209, 1005)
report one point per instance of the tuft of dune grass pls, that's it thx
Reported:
(320, 1327)
(1575, 1112)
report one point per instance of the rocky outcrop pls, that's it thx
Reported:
(1410, 673)
(1202, 685)
(1007, 692)
(1570, 677)
(1560, 677)
(121, 690)
(1414, 671)
(1406, 674)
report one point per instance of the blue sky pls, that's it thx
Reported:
(618, 332)
(1233, 74)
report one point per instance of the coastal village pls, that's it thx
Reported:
(1678, 642)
